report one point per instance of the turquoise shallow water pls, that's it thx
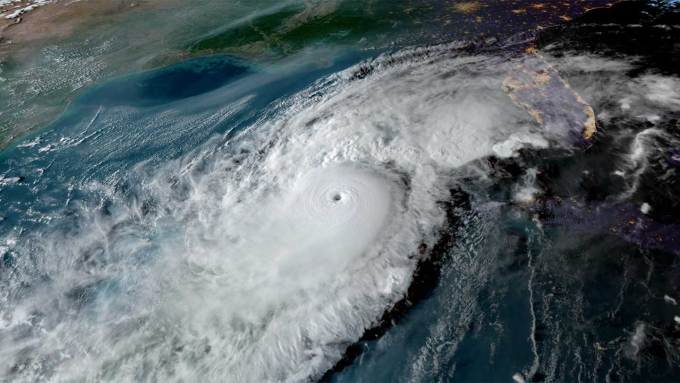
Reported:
(115, 126)
(145, 120)
(216, 220)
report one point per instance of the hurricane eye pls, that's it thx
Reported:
(337, 197)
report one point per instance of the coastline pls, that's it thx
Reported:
(51, 24)
(55, 19)
(60, 26)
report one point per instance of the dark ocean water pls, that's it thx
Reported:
(567, 286)
(578, 283)
(115, 126)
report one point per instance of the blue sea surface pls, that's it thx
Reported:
(518, 295)
(148, 118)
(161, 115)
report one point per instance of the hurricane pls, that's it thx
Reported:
(267, 223)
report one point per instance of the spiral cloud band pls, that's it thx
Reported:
(263, 257)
